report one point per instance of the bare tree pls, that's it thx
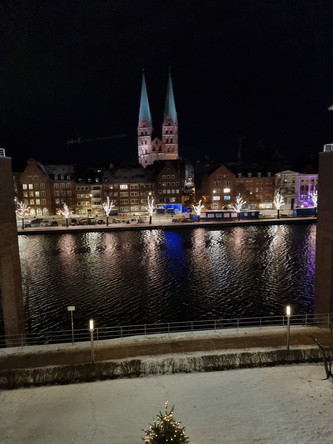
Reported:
(107, 207)
(327, 355)
(278, 202)
(65, 212)
(22, 211)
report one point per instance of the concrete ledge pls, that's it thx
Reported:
(166, 364)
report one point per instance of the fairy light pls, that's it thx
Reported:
(165, 429)
(198, 208)
(239, 203)
(65, 212)
(107, 207)
(22, 211)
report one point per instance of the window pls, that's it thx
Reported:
(56, 186)
(226, 197)
(30, 186)
(36, 186)
(68, 185)
(29, 179)
(43, 201)
(36, 193)
(62, 186)
(123, 187)
(37, 201)
(25, 186)
(226, 190)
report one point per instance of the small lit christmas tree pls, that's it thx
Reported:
(165, 430)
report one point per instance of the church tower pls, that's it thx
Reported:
(145, 127)
(151, 150)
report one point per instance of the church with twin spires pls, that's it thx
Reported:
(150, 148)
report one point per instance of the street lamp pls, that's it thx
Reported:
(288, 314)
(71, 308)
(91, 329)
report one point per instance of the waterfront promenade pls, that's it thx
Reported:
(249, 339)
(163, 223)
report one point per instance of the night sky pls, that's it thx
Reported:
(261, 69)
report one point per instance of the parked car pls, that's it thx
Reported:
(91, 221)
(37, 223)
(100, 222)
(83, 221)
(54, 223)
(73, 222)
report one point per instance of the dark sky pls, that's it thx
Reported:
(257, 68)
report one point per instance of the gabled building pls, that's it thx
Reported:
(169, 177)
(36, 189)
(151, 148)
(216, 188)
(128, 189)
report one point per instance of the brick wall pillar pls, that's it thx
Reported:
(10, 267)
(324, 237)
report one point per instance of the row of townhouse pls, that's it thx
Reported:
(46, 188)
(218, 187)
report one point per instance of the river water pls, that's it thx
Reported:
(165, 275)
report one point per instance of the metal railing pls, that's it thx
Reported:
(167, 328)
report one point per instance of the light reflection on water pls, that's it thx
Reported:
(132, 277)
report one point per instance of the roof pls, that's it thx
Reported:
(170, 107)
(144, 104)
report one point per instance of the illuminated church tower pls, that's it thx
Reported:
(150, 150)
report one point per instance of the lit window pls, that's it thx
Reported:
(226, 197)
(123, 187)
(226, 190)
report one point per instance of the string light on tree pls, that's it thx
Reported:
(107, 207)
(65, 212)
(197, 209)
(278, 202)
(150, 207)
(239, 205)
(314, 198)
(22, 211)
(165, 430)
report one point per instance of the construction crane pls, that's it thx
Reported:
(79, 140)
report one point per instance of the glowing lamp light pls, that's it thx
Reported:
(288, 310)
(91, 325)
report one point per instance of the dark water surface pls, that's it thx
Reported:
(134, 277)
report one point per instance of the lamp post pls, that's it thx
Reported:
(91, 329)
(71, 308)
(288, 314)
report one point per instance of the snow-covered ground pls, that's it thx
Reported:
(288, 404)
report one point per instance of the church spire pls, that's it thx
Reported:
(144, 104)
(170, 107)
